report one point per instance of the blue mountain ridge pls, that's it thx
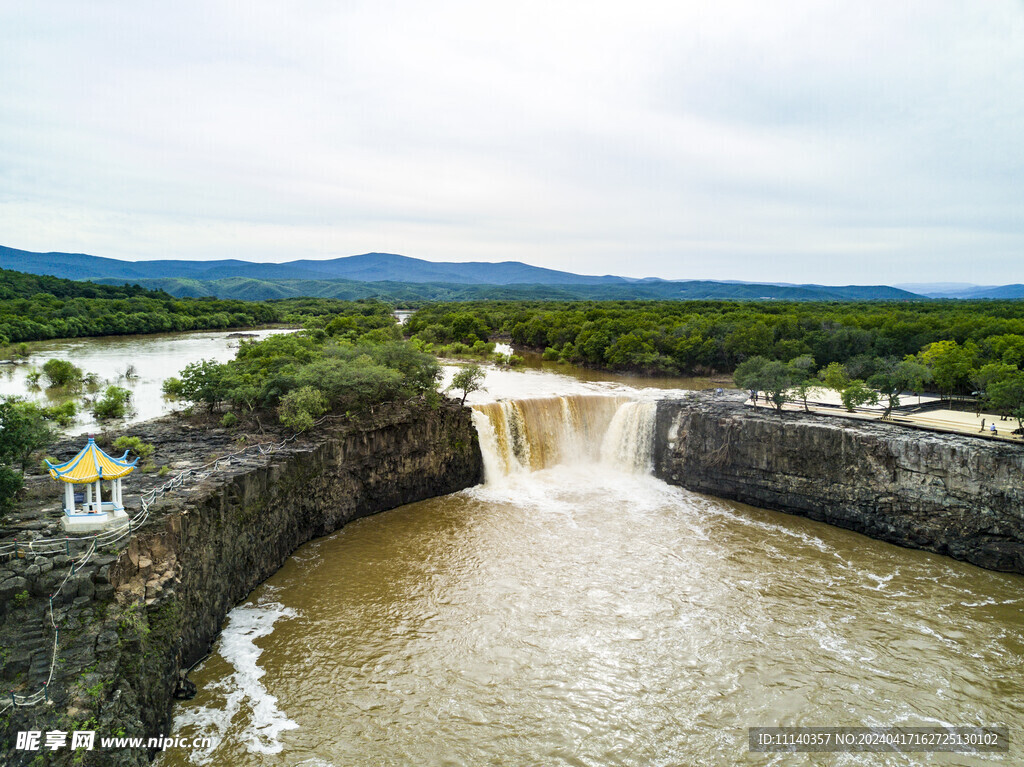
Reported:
(238, 278)
(368, 267)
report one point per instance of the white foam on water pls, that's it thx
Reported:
(243, 690)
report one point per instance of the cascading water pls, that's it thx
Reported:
(526, 435)
(629, 441)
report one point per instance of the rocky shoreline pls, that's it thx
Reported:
(951, 494)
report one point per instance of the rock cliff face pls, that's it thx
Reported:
(144, 612)
(958, 496)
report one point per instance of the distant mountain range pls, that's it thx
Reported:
(369, 267)
(260, 290)
(387, 275)
(963, 290)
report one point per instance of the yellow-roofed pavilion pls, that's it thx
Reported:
(91, 467)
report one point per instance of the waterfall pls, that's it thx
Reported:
(629, 441)
(518, 436)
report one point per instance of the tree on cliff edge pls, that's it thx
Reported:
(468, 380)
(772, 377)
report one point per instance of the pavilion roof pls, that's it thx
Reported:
(91, 464)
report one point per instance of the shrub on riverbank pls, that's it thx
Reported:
(10, 483)
(25, 429)
(347, 363)
(114, 403)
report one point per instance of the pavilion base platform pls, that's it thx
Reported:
(94, 523)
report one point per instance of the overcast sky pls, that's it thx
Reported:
(832, 142)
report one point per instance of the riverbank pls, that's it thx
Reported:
(954, 495)
(138, 612)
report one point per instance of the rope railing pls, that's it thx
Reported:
(63, 545)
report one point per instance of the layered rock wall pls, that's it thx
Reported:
(954, 495)
(140, 614)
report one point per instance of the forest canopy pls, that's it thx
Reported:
(956, 339)
(346, 363)
(37, 308)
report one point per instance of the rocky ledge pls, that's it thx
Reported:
(955, 495)
(146, 607)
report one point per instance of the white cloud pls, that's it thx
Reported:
(795, 141)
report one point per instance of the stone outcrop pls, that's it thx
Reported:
(955, 495)
(139, 613)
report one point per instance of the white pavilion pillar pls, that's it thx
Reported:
(88, 498)
(99, 496)
(69, 498)
(117, 492)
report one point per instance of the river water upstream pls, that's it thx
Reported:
(575, 611)
(154, 358)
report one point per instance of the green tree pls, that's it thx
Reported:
(351, 384)
(204, 382)
(950, 363)
(61, 373)
(748, 375)
(24, 429)
(835, 377)
(113, 404)
(749, 340)
(913, 374)
(419, 370)
(173, 387)
(856, 394)
(631, 352)
(801, 370)
(468, 380)
(986, 375)
(1006, 397)
(1008, 348)
(300, 407)
(772, 377)
(889, 385)
(775, 380)
(467, 328)
(10, 483)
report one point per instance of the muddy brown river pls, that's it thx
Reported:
(574, 611)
